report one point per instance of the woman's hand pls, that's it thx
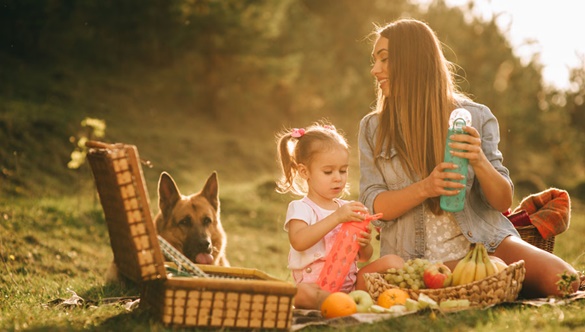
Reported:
(468, 146)
(463, 146)
(437, 183)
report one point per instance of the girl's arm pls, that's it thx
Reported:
(303, 236)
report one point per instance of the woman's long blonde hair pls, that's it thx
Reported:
(414, 117)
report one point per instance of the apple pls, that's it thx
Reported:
(437, 275)
(362, 299)
(412, 305)
(425, 301)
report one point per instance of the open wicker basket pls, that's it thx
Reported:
(226, 297)
(528, 232)
(503, 286)
(531, 235)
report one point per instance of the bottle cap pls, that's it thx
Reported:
(460, 113)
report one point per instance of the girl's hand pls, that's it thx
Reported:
(366, 237)
(352, 211)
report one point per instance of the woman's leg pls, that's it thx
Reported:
(542, 268)
(378, 266)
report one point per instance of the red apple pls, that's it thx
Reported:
(437, 275)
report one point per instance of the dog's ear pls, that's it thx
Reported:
(168, 193)
(211, 190)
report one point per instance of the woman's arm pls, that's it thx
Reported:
(495, 186)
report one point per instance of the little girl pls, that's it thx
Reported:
(315, 164)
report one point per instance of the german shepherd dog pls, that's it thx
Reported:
(190, 223)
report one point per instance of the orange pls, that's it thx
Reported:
(338, 304)
(392, 296)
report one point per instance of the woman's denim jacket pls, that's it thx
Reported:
(405, 236)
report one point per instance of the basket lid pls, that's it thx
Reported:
(123, 195)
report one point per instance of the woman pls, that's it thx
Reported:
(403, 175)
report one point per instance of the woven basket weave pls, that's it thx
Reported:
(531, 235)
(228, 297)
(528, 232)
(503, 286)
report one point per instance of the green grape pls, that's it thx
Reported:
(410, 276)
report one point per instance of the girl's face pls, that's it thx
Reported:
(327, 174)
(380, 64)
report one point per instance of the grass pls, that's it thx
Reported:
(51, 247)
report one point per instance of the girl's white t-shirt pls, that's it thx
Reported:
(298, 209)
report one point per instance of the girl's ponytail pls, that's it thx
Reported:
(287, 163)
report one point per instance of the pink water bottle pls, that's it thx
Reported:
(342, 254)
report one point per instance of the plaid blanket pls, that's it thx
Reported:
(549, 211)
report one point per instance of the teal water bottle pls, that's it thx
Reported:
(458, 119)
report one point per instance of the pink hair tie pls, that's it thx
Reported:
(297, 132)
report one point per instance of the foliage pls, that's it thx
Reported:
(564, 284)
(93, 129)
(247, 66)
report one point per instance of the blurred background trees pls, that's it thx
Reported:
(212, 81)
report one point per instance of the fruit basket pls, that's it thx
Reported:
(504, 286)
(226, 297)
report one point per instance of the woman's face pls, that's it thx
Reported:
(380, 64)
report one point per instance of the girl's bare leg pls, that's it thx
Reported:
(309, 296)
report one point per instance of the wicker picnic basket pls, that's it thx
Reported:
(226, 297)
(503, 286)
(529, 232)
(531, 235)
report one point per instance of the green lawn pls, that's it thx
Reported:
(49, 248)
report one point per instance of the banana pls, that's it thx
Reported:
(457, 271)
(490, 267)
(480, 270)
(468, 273)
(500, 266)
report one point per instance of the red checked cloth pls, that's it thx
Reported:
(549, 211)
